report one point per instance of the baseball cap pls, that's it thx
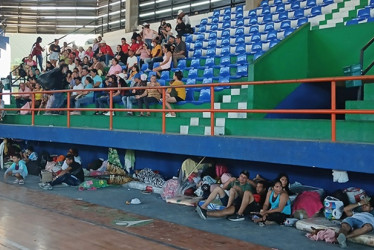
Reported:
(102, 41)
(145, 24)
(180, 11)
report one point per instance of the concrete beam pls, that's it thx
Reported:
(132, 13)
(252, 4)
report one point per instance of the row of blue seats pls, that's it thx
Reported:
(364, 15)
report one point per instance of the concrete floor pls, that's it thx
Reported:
(279, 237)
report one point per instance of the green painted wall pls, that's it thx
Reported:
(332, 49)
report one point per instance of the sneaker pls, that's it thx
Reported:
(97, 113)
(201, 212)
(170, 115)
(108, 113)
(15, 181)
(75, 113)
(21, 182)
(45, 186)
(130, 114)
(342, 240)
(236, 217)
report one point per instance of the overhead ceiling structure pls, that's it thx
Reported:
(62, 16)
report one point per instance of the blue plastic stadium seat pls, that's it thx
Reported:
(208, 73)
(363, 13)
(239, 8)
(254, 29)
(204, 95)
(212, 35)
(283, 16)
(150, 74)
(288, 32)
(257, 55)
(212, 43)
(280, 7)
(216, 13)
(285, 24)
(192, 73)
(207, 80)
(311, 3)
(256, 37)
(295, 5)
(239, 40)
(239, 15)
(224, 79)
(239, 32)
(242, 70)
(225, 51)
(299, 13)
(144, 67)
(225, 42)
(211, 52)
(240, 49)
(267, 18)
(225, 60)
(277, 2)
(225, 34)
(198, 53)
(200, 37)
(195, 63)
(227, 25)
(372, 3)
(209, 62)
(273, 43)
(191, 81)
(202, 29)
(239, 22)
(351, 22)
(272, 35)
(215, 19)
(327, 2)
(226, 17)
(269, 27)
(214, 27)
(189, 95)
(370, 19)
(253, 20)
(165, 75)
(156, 64)
(317, 10)
(203, 21)
(241, 59)
(256, 47)
(264, 3)
(198, 45)
(224, 71)
(227, 11)
(252, 13)
(161, 82)
(302, 21)
(189, 39)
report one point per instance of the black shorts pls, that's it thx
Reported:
(178, 99)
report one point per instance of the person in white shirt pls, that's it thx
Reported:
(131, 60)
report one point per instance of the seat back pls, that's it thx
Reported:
(225, 60)
(195, 63)
(224, 71)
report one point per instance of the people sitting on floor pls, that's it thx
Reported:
(18, 169)
(236, 187)
(174, 95)
(359, 221)
(29, 154)
(277, 206)
(166, 63)
(150, 95)
(71, 174)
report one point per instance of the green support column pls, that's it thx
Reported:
(132, 13)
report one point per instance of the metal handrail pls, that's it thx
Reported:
(364, 71)
(332, 111)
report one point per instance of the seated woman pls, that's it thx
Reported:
(181, 27)
(280, 206)
(85, 97)
(131, 77)
(96, 64)
(144, 53)
(115, 69)
(150, 95)
(174, 95)
(168, 57)
(105, 100)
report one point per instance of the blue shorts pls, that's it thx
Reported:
(354, 223)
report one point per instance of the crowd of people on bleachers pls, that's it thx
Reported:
(150, 52)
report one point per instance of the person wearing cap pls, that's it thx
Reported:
(179, 50)
(148, 34)
(236, 188)
(184, 17)
(174, 95)
(106, 52)
(129, 98)
(55, 50)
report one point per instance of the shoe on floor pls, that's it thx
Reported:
(108, 113)
(45, 186)
(21, 182)
(170, 115)
(201, 212)
(342, 240)
(236, 217)
(15, 181)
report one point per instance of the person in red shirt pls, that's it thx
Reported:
(134, 45)
(37, 51)
(106, 52)
(125, 49)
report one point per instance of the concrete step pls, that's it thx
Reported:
(359, 105)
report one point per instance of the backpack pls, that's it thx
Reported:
(33, 167)
(22, 72)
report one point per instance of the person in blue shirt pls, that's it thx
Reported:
(30, 154)
(18, 169)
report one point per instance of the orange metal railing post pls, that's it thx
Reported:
(163, 111)
(33, 109)
(212, 110)
(67, 111)
(111, 110)
(333, 109)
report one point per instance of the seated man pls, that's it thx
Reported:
(18, 169)
(72, 175)
(357, 223)
(237, 188)
(21, 99)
